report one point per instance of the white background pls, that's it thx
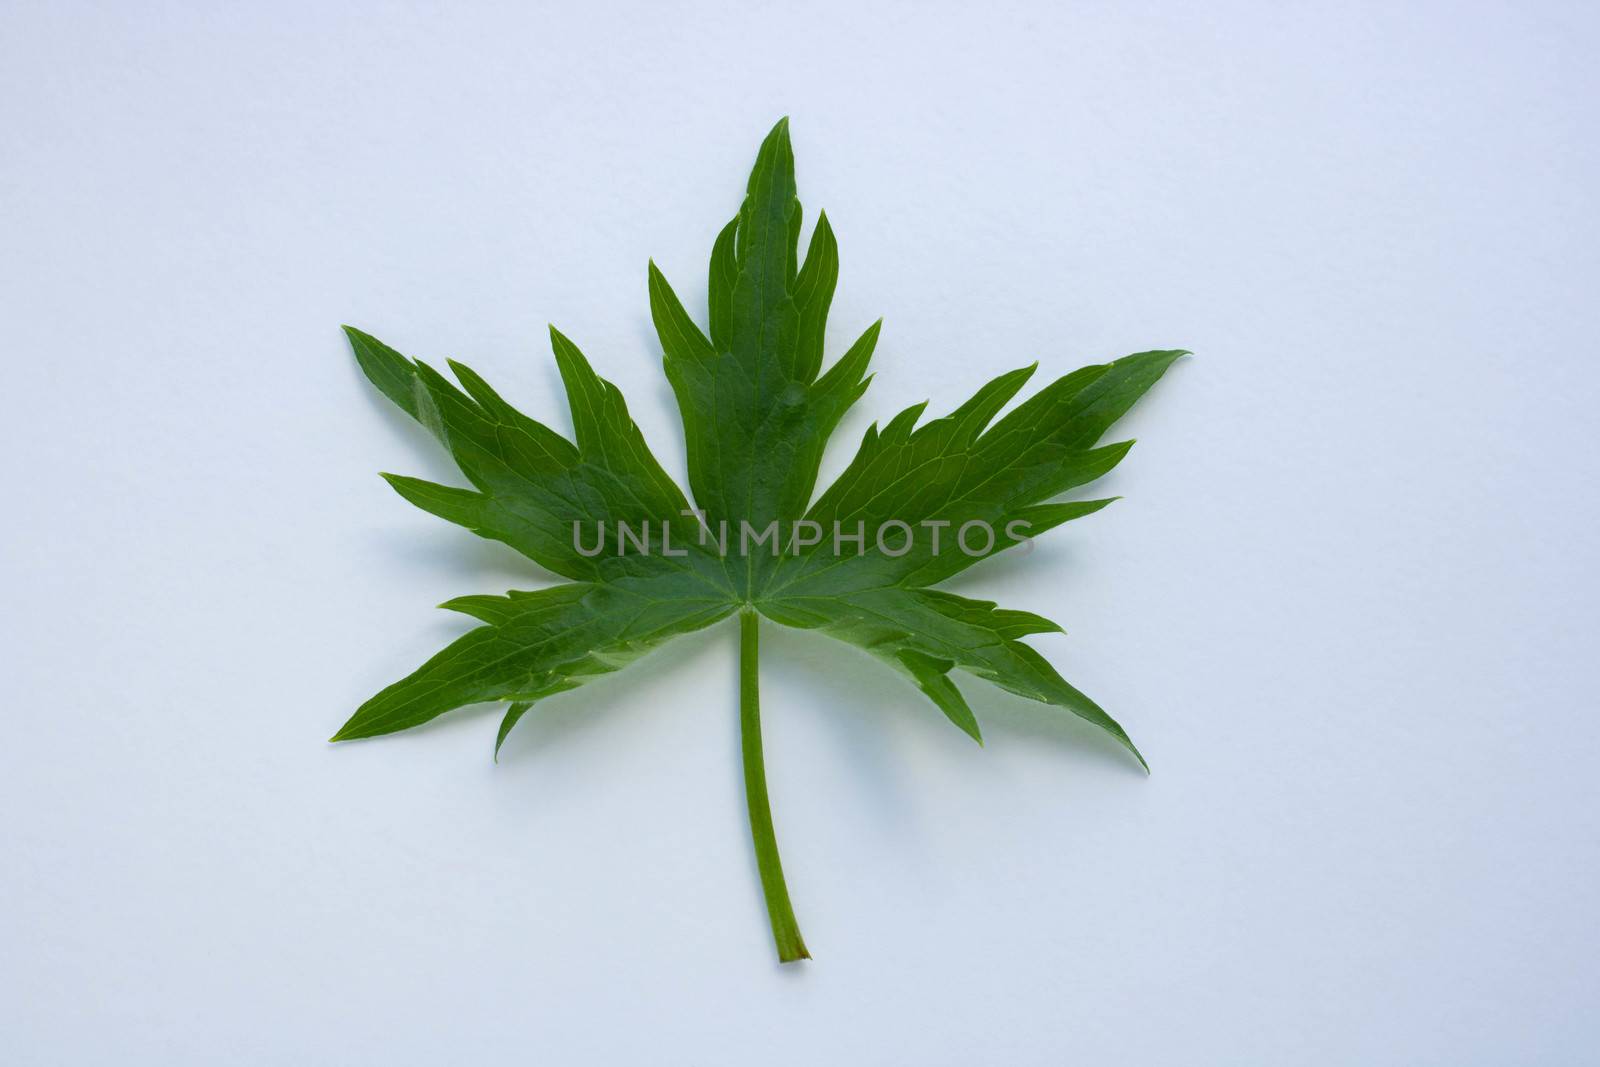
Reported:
(1347, 608)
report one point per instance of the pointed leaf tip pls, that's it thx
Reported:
(514, 713)
(777, 139)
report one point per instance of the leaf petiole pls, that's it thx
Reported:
(785, 930)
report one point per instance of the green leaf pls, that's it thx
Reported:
(537, 644)
(755, 413)
(921, 501)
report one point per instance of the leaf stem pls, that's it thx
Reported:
(785, 931)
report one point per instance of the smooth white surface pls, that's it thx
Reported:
(1347, 606)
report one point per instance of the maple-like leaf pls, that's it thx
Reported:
(921, 501)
